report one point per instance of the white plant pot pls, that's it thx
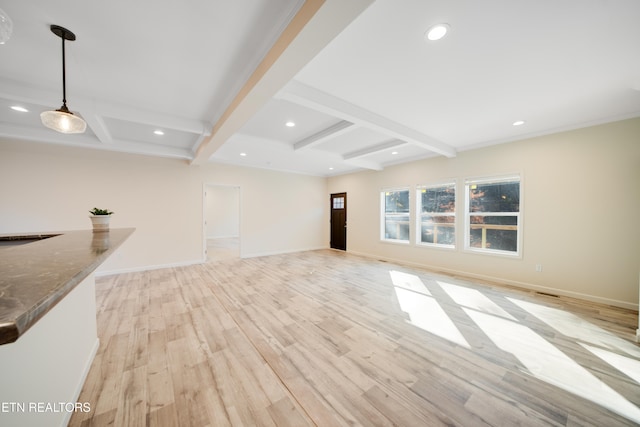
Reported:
(100, 222)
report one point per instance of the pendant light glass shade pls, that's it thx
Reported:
(62, 120)
(6, 27)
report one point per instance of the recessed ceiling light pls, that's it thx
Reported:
(394, 152)
(436, 32)
(289, 124)
(518, 123)
(19, 108)
(331, 168)
(243, 154)
(158, 132)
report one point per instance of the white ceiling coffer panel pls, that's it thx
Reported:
(374, 149)
(313, 98)
(324, 135)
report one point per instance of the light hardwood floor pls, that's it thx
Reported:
(327, 338)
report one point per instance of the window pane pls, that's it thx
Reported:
(493, 215)
(396, 227)
(397, 201)
(437, 207)
(439, 199)
(494, 232)
(396, 221)
(438, 230)
(495, 197)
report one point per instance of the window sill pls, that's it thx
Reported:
(502, 254)
(396, 242)
(437, 247)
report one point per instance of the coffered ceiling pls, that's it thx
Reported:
(362, 85)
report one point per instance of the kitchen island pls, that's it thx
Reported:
(48, 334)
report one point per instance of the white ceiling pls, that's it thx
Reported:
(358, 79)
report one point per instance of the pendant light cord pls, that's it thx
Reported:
(64, 77)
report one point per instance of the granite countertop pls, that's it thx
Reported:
(35, 276)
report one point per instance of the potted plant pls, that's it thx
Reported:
(100, 219)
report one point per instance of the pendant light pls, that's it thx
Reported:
(63, 120)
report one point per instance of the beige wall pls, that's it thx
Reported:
(581, 200)
(51, 188)
(279, 212)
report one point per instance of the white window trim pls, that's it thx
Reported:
(418, 224)
(383, 215)
(467, 215)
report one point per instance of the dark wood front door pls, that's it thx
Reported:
(339, 221)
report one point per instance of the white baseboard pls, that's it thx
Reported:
(196, 262)
(234, 236)
(500, 280)
(270, 253)
(148, 268)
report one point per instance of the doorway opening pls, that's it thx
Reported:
(339, 221)
(221, 222)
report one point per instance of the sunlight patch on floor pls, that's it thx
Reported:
(408, 281)
(472, 298)
(544, 361)
(423, 310)
(626, 365)
(573, 326)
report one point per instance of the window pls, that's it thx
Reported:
(338, 203)
(437, 215)
(395, 215)
(492, 218)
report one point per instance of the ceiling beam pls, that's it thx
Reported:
(87, 140)
(41, 133)
(324, 135)
(366, 164)
(151, 118)
(138, 147)
(311, 29)
(313, 98)
(374, 149)
(98, 127)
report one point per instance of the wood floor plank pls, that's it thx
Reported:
(499, 411)
(133, 400)
(398, 413)
(164, 416)
(160, 389)
(284, 413)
